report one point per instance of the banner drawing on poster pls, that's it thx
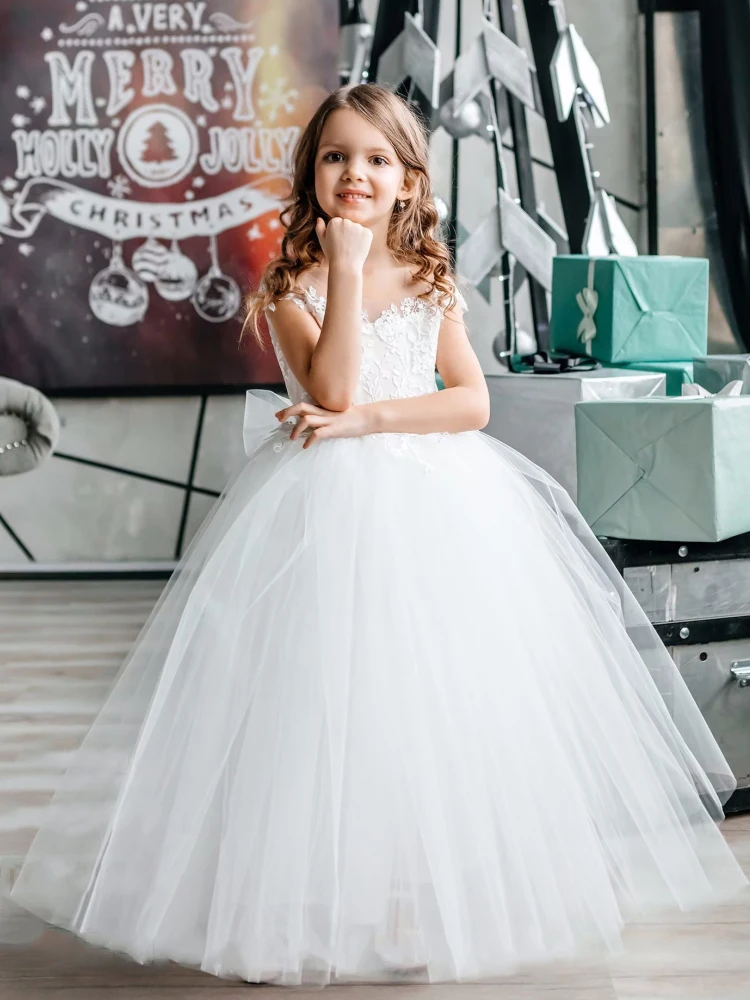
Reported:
(133, 93)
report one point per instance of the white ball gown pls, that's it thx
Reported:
(395, 710)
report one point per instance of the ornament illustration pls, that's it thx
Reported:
(149, 259)
(217, 296)
(117, 295)
(173, 274)
(178, 276)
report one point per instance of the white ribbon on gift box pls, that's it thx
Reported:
(588, 300)
(730, 389)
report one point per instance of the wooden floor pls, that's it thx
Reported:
(60, 645)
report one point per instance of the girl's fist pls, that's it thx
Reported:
(344, 241)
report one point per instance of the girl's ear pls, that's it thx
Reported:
(408, 188)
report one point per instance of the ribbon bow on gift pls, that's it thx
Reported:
(730, 389)
(588, 300)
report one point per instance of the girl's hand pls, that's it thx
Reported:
(344, 241)
(325, 423)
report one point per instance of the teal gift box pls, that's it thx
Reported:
(678, 373)
(648, 309)
(665, 469)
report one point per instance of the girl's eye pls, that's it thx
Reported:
(329, 155)
(381, 158)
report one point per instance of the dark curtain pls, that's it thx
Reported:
(725, 58)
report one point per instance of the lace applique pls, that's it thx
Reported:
(414, 446)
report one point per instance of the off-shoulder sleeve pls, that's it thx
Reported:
(460, 304)
(295, 298)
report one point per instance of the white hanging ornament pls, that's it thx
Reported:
(217, 296)
(178, 276)
(117, 295)
(149, 259)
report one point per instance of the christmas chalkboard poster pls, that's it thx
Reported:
(145, 155)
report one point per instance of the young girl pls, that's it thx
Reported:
(396, 712)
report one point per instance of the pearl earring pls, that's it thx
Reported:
(400, 205)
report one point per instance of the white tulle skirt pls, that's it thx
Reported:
(395, 710)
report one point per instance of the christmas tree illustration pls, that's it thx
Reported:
(158, 146)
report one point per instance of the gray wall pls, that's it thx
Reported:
(72, 512)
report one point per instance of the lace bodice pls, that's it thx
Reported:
(399, 348)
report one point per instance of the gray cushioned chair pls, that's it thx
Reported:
(29, 427)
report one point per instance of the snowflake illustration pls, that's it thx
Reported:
(130, 29)
(38, 104)
(189, 195)
(47, 34)
(227, 102)
(81, 5)
(20, 120)
(213, 52)
(273, 223)
(276, 97)
(255, 233)
(199, 182)
(200, 121)
(23, 92)
(228, 85)
(101, 101)
(10, 184)
(119, 187)
(26, 249)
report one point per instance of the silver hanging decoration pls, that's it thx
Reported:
(355, 43)
(473, 117)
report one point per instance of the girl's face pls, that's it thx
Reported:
(358, 175)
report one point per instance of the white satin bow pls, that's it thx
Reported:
(588, 300)
(730, 389)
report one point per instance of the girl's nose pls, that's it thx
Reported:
(354, 169)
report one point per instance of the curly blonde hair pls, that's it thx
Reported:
(411, 233)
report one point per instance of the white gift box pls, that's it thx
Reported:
(535, 414)
(714, 371)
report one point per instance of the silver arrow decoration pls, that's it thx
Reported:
(574, 73)
(507, 227)
(492, 55)
(605, 231)
(578, 89)
(414, 55)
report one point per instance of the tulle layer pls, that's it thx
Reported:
(395, 710)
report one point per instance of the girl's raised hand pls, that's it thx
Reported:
(344, 241)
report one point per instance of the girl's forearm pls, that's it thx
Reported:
(457, 409)
(336, 360)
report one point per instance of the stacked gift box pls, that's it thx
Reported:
(669, 468)
(639, 313)
(661, 472)
(659, 469)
